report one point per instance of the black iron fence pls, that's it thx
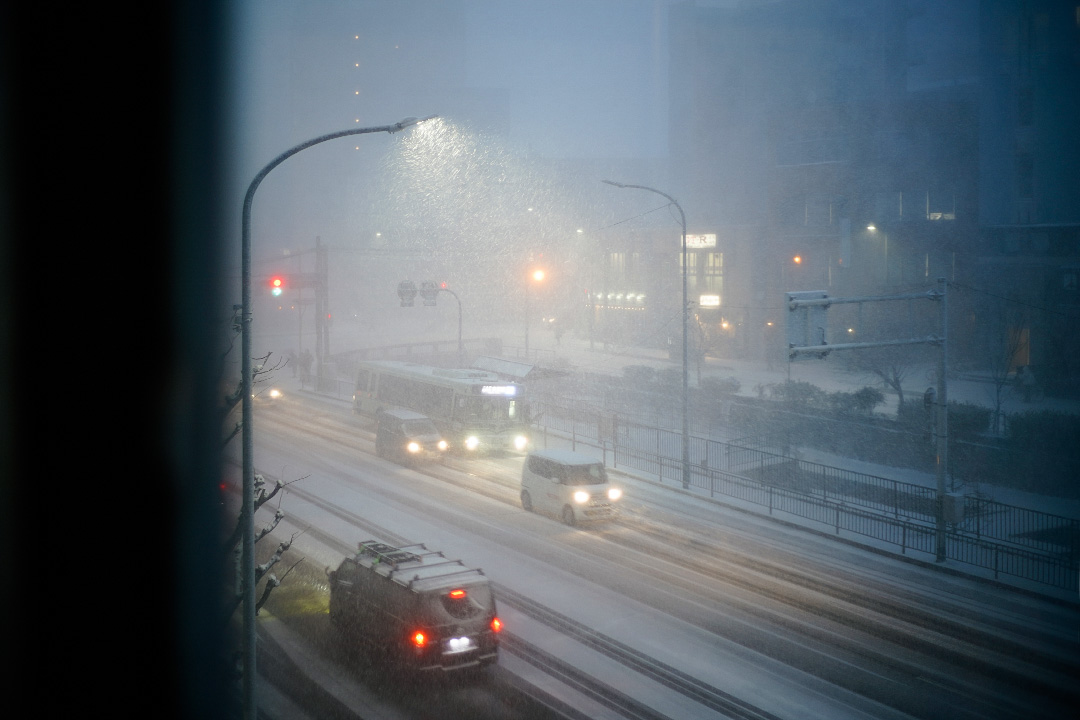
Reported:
(1009, 540)
(1006, 539)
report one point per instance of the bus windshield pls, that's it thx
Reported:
(488, 411)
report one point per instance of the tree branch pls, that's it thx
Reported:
(273, 582)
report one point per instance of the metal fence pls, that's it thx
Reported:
(1009, 540)
(1006, 539)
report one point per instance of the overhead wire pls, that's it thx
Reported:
(961, 286)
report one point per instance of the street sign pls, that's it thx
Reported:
(807, 325)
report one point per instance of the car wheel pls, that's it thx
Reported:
(526, 501)
(568, 516)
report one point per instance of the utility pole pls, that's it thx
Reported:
(806, 334)
(318, 282)
(322, 310)
(942, 424)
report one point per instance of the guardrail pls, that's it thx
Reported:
(1009, 540)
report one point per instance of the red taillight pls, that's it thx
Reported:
(457, 594)
(419, 640)
(496, 624)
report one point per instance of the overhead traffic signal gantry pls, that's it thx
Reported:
(406, 291)
(429, 291)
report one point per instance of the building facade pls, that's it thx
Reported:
(869, 148)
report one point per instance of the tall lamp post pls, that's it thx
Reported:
(685, 322)
(247, 517)
(460, 346)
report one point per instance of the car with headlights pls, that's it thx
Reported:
(415, 608)
(571, 486)
(407, 437)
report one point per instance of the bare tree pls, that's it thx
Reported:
(233, 544)
(1007, 339)
(892, 365)
(262, 373)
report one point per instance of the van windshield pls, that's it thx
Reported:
(419, 427)
(586, 475)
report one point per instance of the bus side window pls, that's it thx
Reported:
(441, 402)
(362, 378)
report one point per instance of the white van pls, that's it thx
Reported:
(568, 485)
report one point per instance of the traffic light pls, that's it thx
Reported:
(277, 285)
(429, 291)
(406, 290)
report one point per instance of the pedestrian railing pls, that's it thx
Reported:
(1009, 540)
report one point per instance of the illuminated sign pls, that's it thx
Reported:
(498, 390)
(696, 242)
(709, 301)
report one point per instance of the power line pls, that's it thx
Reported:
(635, 217)
(961, 286)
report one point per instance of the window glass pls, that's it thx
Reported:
(420, 427)
(593, 474)
(486, 411)
(441, 608)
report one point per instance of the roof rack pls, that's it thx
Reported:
(394, 558)
(389, 554)
(465, 571)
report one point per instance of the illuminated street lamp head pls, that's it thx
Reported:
(538, 275)
(410, 121)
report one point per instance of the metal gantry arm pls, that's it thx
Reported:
(941, 432)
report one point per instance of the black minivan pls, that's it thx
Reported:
(415, 608)
(406, 436)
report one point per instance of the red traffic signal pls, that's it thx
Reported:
(277, 285)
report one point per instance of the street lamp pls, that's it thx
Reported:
(248, 509)
(685, 322)
(460, 346)
(537, 276)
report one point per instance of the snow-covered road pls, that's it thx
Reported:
(787, 623)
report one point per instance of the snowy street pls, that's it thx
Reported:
(778, 621)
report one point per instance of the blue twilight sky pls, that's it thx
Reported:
(562, 78)
(538, 80)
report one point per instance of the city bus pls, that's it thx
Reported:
(474, 409)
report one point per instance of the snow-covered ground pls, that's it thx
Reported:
(563, 568)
